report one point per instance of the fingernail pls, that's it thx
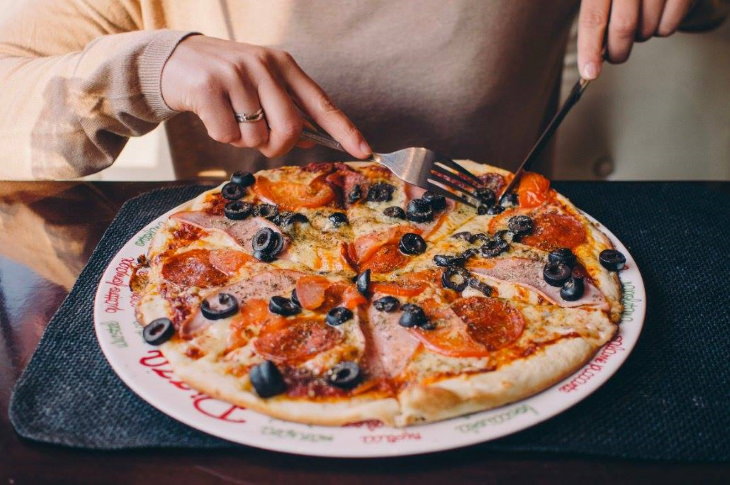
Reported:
(365, 148)
(590, 70)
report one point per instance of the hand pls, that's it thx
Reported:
(216, 78)
(620, 23)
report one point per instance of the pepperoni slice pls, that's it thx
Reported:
(385, 259)
(297, 341)
(228, 260)
(411, 284)
(533, 190)
(254, 314)
(193, 268)
(311, 291)
(292, 196)
(365, 246)
(450, 337)
(553, 230)
(491, 322)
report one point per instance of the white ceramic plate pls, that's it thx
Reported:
(143, 368)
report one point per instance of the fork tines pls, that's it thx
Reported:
(446, 174)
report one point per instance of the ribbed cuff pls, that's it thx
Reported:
(151, 62)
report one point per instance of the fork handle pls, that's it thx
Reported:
(321, 139)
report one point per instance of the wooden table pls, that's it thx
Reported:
(47, 233)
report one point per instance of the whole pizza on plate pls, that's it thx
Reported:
(336, 293)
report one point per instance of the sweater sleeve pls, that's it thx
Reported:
(77, 78)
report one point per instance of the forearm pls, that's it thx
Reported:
(69, 115)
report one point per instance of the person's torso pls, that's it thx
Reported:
(471, 79)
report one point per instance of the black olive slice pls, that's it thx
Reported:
(494, 210)
(224, 306)
(469, 253)
(264, 256)
(354, 194)
(338, 219)
(466, 236)
(283, 306)
(438, 202)
(479, 285)
(555, 274)
(483, 209)
(345, 375)
(562, 255)
(267, 211)
(387, 304)
(455, 278)
(480, 236)
(612, 259)
(244, 179)
(237, 210)
(294, 298)
(266, 240)
(486, 196)
(520, 225)
(158, 331)
(412, 243)
(419, 210)
(509, 200)
(494, 247)
(338, 315)
(232, 191)
(505, 235)
(572, 289)
(395, 212)
(267, 379)
(286, 218)
(413, 316)
(380, 192)
(362, 282)
(445, 261)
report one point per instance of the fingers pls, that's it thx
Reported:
(218, 118)
(315, 102)
(651, 14)
(245, 100)
(622, 25)
(592, 21)
(674, 12)
(285, 123)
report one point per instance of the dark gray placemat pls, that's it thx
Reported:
(669, 401)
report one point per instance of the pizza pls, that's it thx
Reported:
(336, 293)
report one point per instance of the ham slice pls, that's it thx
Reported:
(392, 346)
(242, 231)
(528, 273)
(263, 286)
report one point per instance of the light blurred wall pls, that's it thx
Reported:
(664, 114)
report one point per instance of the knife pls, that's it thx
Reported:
(573, 97)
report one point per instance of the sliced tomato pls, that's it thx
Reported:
(533, 190)
(450, 337)
(553, 230)
(193, 268)
(292, 196)
(297, 341)
(491, 322)
(229, 260)
(385, 259)
(311, 291)
(253, 314)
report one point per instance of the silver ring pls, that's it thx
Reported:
(250, 118)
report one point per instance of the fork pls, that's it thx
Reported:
(418, 166)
